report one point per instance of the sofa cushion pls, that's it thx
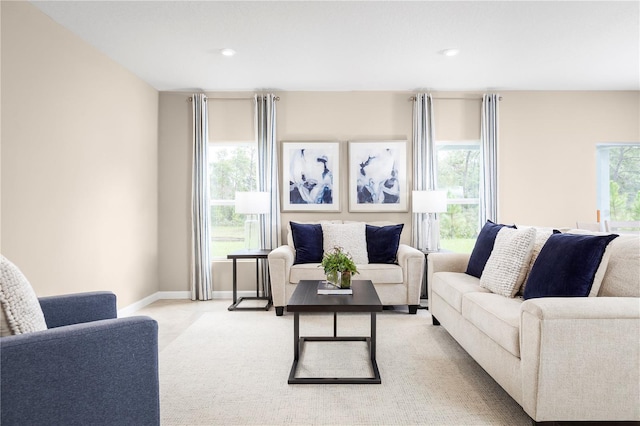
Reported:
(350, 236)
(509, 261)
(21, 311)
(307, 240)
(306, 271)
(567, 266)
(378, 273)
(383, 242)
(496, 316)
(452, 286)
(483, 247)
(622, 277)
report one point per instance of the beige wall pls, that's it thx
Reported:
(547, 152)
(95, 166)
(79, 163)
(547, 143)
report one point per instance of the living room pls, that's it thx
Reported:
(96, 173)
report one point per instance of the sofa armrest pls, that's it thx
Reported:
(280, 262)
(412, 262)
(581, 358)
(99, 373)
(78, 308)
(445, 262)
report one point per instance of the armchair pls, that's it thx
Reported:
(88, 367)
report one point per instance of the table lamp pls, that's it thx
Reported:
(252, 204)
(430, 202)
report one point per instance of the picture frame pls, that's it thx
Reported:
(378, 176)
(311, 176)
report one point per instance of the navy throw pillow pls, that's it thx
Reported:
(483, 248)
(308, 241)
(566, 266)
(383, 242)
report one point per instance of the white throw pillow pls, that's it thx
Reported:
(509, 261)
(351, 237)
(21, 311)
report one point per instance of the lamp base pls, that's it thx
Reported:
(251, 234)
(433, 233)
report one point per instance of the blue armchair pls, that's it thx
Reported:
(88, 368)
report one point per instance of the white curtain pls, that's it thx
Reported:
(489, 141)
(265, 125)
(424, 161)
(201, 288)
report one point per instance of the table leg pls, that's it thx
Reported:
(257, 277)
(296, 336)
(235, 282)
(373, 336)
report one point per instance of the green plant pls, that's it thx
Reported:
(337, 260)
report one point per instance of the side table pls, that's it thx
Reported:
(425, 284)
(257, 255)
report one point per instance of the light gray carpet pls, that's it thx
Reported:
(231, 368)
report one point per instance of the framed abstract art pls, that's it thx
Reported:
(378, 176)
(311, 176)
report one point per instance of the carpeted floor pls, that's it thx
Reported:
(231, 368)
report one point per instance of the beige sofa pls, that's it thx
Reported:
(396, 284)
(560, 358)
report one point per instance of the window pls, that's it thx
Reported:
(618, 181)
(458, 172)
(232, 167)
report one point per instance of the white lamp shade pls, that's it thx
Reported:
(252, 202)
(429, 201)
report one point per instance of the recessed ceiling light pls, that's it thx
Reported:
(227, 52)
(450, 52)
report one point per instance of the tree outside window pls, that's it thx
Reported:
(619, 181)
(458, 172)
(232, 167)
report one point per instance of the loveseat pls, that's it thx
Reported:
(561, 358)
(395, 269)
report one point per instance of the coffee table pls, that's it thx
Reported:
(306, 300)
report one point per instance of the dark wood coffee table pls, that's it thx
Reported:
(306, 300)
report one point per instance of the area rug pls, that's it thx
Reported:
(231, 368)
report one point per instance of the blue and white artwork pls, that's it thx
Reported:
(377, 176)
(310, 176)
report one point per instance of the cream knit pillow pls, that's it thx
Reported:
(509, 261)
(351, 237)
(21, 311)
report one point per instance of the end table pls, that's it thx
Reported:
(425, 284)
(257, 255)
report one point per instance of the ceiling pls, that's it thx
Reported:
(365, 45)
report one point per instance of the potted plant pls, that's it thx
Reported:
(339, 267)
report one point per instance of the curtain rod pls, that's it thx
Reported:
(413, 98)
(216, 98)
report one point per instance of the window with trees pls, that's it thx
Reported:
(458, 172)
(619, 181)
(232, 167)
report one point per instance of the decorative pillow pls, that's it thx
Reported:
(508, 263)
(21, 311)
(307, 239)
(483, 247)
(383, 242)
(567, 266)
(541, 238)
(350, 236)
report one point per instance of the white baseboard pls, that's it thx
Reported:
(176, 295)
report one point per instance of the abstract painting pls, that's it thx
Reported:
(311, 176)
(378, 176)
